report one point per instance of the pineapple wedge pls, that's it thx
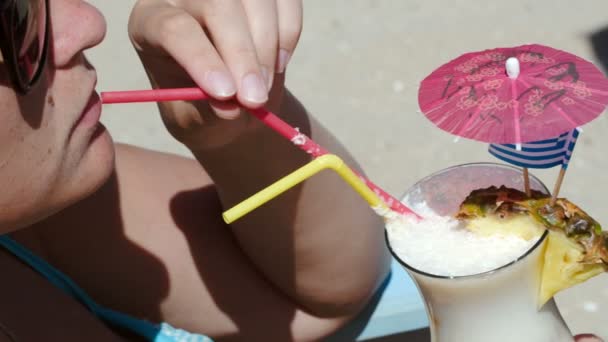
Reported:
(576, 250)
(563, 267)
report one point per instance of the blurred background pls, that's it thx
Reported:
(357, 68)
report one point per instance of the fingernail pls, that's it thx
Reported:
(227, 113)
(254, 89)
(283, 60)
(221, 83)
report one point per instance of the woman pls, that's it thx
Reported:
(140, 231)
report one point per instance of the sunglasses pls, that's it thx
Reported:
(24, 33)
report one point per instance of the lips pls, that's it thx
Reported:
(91, 113)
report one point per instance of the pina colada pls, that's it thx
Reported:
(489, 263)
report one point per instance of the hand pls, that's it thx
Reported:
(587, 338)
(229, 48)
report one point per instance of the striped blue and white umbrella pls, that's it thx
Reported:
(541, 154)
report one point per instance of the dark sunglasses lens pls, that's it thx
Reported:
(29, 29)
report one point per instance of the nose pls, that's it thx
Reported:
(75, 26)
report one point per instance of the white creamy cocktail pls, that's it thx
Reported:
(476, 288)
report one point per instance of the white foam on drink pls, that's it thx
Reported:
(439, 245)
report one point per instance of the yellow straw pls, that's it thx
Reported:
(328, 161)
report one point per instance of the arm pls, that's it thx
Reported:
(319, 243)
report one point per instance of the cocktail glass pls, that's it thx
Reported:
(493, 306)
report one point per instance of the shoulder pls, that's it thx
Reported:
(152, 182)
(136, 163)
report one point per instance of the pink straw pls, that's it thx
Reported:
(268, 118)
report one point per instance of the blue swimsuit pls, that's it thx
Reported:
(152, 332)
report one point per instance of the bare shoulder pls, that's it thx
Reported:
(166, 187)
(136, 163)
(160, 191)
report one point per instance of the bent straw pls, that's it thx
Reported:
(328, 161)
(268, 118)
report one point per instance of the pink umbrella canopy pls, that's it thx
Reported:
(513, 95)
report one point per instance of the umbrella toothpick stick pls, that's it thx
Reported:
(513, 69)
(518, 146)
(558, 185)
(527, 182)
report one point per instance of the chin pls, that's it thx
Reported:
(94, 168)
(85, 169)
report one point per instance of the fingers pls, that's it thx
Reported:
(290, 26)
(227, 24)
(263, 23)
(173, 31)
(228, 47)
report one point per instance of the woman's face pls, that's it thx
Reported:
(53, 151)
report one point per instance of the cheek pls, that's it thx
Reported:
(23, 119)
(29, 157)
(32, 107)
(27, 175)
(28, 151)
